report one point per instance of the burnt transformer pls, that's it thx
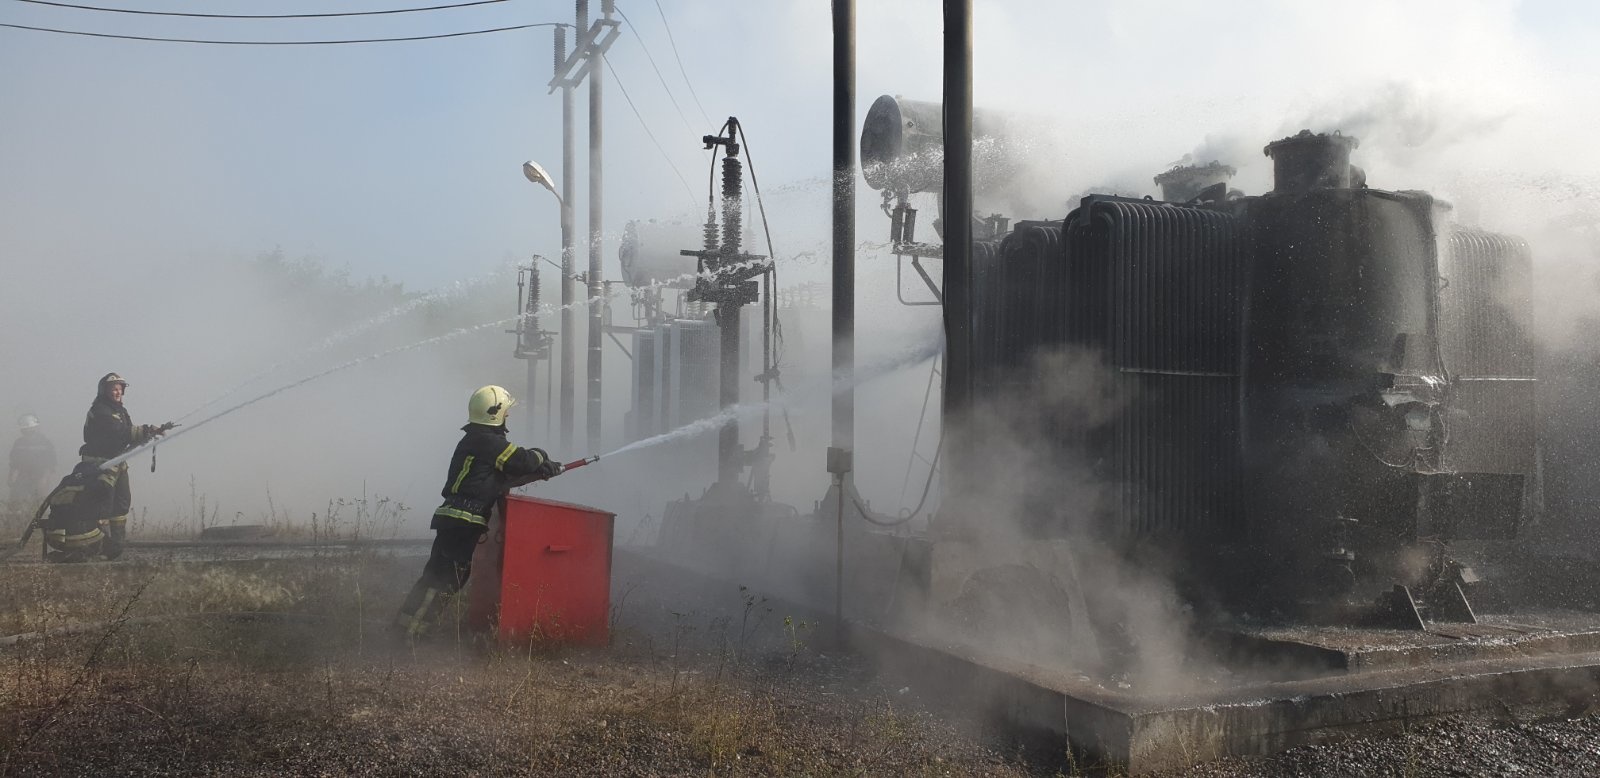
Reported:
(1331, 382)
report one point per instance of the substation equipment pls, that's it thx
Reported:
(1321, 391)
(692, 363)
(1324, 397)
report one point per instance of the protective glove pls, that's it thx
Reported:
(550, 468)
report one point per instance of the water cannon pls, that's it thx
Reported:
(902, 147)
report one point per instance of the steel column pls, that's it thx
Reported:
(958, 208)
(844, 221)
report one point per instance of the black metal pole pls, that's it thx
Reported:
(958, 212)
(844, 277)
(844, 221)
(596, 242)
(730, 455)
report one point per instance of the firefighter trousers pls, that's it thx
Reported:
(121, 505)
(449, 565)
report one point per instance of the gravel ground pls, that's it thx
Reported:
(1457, 747)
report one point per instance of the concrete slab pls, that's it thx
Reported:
(1310, 651)
(1147, 733)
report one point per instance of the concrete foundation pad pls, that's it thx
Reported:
(1312, 651)
(1148, 733)
(1388, 680)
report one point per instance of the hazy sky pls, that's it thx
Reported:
(130, 172)
(402, 159)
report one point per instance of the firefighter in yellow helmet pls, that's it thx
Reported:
(108, 432)
(484, 466)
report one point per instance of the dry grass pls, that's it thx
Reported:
(326, 692)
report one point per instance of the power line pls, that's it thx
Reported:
(680, 62)
(659, 77)
(647, 131)
(279, 43)
(257, 16)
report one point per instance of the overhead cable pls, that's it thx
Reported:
(636, 36)
(278, 43)
(647, 131)
(258, 16)
(681, 71)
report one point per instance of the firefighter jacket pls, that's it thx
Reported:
(80, 502)
(481, 470)
(108, 431)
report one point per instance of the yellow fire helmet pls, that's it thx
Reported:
(490, 405)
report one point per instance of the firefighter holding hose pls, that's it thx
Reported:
(108, 431)
(76, 530)
(483, 468)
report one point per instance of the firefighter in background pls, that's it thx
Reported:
(109, 432)
(33, 463)
(76, 528)
(484, 466)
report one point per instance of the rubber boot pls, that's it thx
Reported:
(116, 535)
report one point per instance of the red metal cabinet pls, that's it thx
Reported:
(543, 572)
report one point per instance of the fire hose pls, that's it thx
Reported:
(10, 549)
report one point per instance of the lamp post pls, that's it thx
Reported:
(536, 173)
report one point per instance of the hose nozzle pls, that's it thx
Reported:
(575, 464)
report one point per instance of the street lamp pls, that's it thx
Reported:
(536, 173)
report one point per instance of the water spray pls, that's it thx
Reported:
(454, 290)
(129, 454)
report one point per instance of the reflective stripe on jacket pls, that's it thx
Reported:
(81, 501)
(483, 464)
(108, 430)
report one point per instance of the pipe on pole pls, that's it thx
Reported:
(569, 324)
(958, 210)
(530, 337)
(596, 242)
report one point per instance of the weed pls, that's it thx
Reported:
(794, 628)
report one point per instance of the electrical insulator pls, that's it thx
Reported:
(710, 230)
(533, 290)
(732, 205)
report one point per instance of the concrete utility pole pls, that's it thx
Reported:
(587, 52)
(596, 242)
